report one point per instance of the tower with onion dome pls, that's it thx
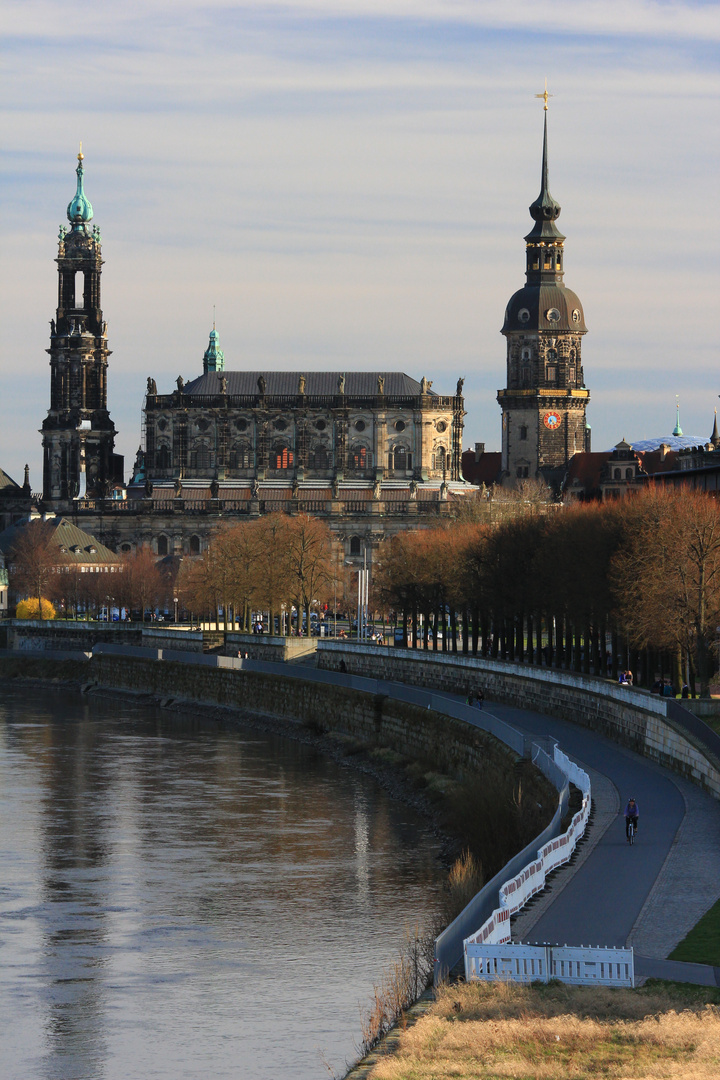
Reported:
(545, 397)
(78, 435)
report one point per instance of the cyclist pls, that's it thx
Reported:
(631, 814)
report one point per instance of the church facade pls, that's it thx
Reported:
(371, 452)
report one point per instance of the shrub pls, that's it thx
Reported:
(30, 609)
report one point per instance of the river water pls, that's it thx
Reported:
(180, 898)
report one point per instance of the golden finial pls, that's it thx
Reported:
(545, 96)
(80, 155)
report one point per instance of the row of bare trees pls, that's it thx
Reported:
(634, 583)
(272, 564)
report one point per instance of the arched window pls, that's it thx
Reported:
(162, 545)
(551, 356)
(164, 458)
(241, 456)
(617, 474)
(628, 474)
(355, 545)
(281, 457)
(523, 431)
(526, 354)
(202, 457)
(195, 545)
(552, 373)
(319, 458)
(359, 458)
(439, 460)
(571, 375)
(400, 459)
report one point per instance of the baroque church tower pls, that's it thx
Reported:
(543, 405)
(78, 434)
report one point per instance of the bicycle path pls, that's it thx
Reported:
(649, 895)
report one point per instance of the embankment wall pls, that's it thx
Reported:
(448, 745)
(631, 717)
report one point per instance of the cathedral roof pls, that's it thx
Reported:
(317, 383)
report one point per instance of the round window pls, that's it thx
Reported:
(241, 425)
(523, 315)
(280, 424)
(441, 425)
(162, 424)
(320, 425)
(552, 315)
(359, 425)
(399, 425)
(576, 315)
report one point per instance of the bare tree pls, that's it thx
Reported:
(34, 560)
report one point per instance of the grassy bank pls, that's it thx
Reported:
(556, 1032)
(702, 945)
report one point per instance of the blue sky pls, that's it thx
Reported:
(348, 183)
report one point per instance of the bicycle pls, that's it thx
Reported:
(631, 831)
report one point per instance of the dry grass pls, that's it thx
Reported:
(560, 1033)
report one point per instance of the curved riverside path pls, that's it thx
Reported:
(649, 895)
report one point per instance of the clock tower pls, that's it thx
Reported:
(543, 404)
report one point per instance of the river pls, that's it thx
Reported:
(183, 898)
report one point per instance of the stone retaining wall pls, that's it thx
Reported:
(633, 718)
(270, 647)
(67, 634)
(448, 745)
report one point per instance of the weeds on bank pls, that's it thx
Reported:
(559, 1032)
(411, 973)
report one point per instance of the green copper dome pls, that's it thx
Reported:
(214, 358)
(79, 208)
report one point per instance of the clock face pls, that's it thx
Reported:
(551, 420)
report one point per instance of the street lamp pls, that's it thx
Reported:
(175, 602)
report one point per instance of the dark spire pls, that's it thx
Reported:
(545, 210)
(715, 438)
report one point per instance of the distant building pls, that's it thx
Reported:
(15, 501)
(545, 398)
(370, 452)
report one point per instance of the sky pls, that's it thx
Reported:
(347, 185)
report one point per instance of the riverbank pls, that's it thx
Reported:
(459, 776)
(481, 1031)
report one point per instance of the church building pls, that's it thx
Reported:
(371, 452)
(545, 397)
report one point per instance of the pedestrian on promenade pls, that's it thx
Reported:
(479, 698)
(629, 677)
(470, 699)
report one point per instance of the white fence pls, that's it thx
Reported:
(531, 879)
(579, 965)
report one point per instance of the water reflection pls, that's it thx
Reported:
(183, 899)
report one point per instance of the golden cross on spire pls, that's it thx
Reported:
(80, 155)
(545, 96)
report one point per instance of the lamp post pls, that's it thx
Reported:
(175, 602)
